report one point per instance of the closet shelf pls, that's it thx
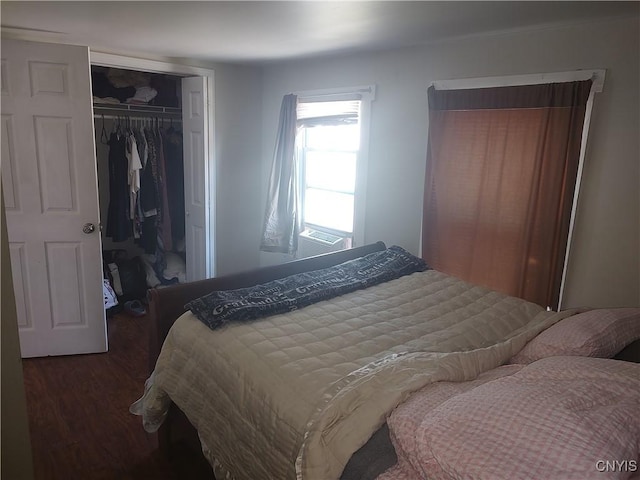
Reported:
(127, 109)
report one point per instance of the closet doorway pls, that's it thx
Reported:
(50, 189)
(194, 110)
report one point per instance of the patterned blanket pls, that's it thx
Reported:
(296, 291)
(556, 418)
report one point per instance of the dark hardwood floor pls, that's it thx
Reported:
(79, 418)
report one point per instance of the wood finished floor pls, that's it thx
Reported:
(79, 418)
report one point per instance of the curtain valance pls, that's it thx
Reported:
(551, 95)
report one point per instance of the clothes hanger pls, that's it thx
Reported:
(104, 138)
(121, 126)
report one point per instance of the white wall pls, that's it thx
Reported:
(238, 137)
(238, 155)
(604, 267)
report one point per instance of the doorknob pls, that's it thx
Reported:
(88, 228)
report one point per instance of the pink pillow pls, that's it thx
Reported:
(598, 333)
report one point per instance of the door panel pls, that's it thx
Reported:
(64, 260)
(54, 151)
(18, 255)
(196, 139)
(11, 201)
(50, 183)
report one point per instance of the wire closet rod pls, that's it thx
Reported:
(145, 117)
(136, 110)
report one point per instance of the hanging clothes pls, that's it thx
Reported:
(118, 222)
(175, 183)
(165, 215)
(146, 187)
(133, 177)
(150, 196)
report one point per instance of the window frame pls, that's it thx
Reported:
(366, 95)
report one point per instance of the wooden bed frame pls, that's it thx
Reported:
(167, 304)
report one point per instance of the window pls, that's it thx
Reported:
(328, 144)
(503, 169)
(331, 150)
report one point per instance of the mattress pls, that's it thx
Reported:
(295, 395)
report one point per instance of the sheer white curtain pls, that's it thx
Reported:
(282, 215)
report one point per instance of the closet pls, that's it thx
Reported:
(139, 154)
(51, 135)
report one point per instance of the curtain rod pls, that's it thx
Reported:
(597, 75)
(367, 91)
(332, 94)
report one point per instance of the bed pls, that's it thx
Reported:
(306, 394)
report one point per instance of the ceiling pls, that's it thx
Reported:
(267, 31)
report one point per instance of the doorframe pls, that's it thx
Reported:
(154, 66)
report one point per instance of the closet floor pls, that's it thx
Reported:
(79, 420)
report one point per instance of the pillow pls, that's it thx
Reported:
(598, 333)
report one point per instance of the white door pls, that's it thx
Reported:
(198, 178)
(50, 186)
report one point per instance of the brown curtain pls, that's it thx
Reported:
(501, 172)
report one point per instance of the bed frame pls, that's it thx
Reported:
(167, 304)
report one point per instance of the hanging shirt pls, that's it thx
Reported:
(151, 195)
(141, 141)
(134, 173)
(118, 224)
(174, 167)
(165, 215)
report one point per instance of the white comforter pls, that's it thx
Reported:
(294, 395)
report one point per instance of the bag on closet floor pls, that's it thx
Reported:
(126, 275)
(133, 279)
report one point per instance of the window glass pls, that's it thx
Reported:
(339, 137)
(331, 170)
(329, 209)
